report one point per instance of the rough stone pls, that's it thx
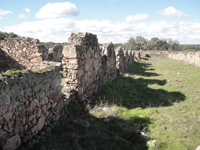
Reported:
(82, 123)
(107, 120)
(12, 143)
(2, 134)
(41, 122)
(152, 143)
(33, 105)
(144, 136)
(22, 112)
(4, 99)
(8, 116)
(39, 112)
(34, 130)
(18, 127)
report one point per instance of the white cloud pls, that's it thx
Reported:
(27, 10)
(172, 12)
(111, 1)
(23, 16)
(58, 30)
(54, 10)
(4, 13)
(45, 30)
(137, 17)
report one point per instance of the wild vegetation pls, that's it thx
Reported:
(157, 96)
(140, 43)
(50, 44)
(7, 35)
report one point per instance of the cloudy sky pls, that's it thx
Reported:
(111, 20)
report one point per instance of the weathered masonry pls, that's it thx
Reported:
(33, 95)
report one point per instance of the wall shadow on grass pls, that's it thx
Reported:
(115, 134)
(132, 91)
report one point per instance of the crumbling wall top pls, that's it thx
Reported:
(83, 39)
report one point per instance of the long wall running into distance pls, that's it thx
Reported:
(34, 99)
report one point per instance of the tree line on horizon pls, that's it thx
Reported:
(4, 35)
(140, 43)
(137, 43)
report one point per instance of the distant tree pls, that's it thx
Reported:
(153, 44)
(140, 42)
(130, 45)
(173, 45)
(12, 35)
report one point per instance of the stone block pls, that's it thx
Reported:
(71, 51)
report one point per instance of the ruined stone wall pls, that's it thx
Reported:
(109, 70)
(137, 55)
(55, 53)
(131, 57)
(154, 53)
(7, 62)
(21, 53)
(28, 102)
(120, 59)
(188, 57)
(82, 65)
(32, 101)
(86, 67)
(185, 56)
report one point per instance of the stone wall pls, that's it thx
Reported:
(7, 62)
(86, 66)
(32, 101)
(109, 70)
(82, 65)
(188, 57)
(55, 53)
(154, 53)
(137, 55)
(29, 101)
(185, 56)
(120, 59)
(27, 52)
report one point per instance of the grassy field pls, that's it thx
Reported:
(158, 96)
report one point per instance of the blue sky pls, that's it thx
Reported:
(111, 20)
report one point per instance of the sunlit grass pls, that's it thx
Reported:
(173, 118)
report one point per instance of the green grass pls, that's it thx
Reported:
(14, 73)
(158, 96)
(168, 92)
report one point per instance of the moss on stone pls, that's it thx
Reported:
(14, 73)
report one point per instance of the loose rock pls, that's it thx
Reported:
(144, 136)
